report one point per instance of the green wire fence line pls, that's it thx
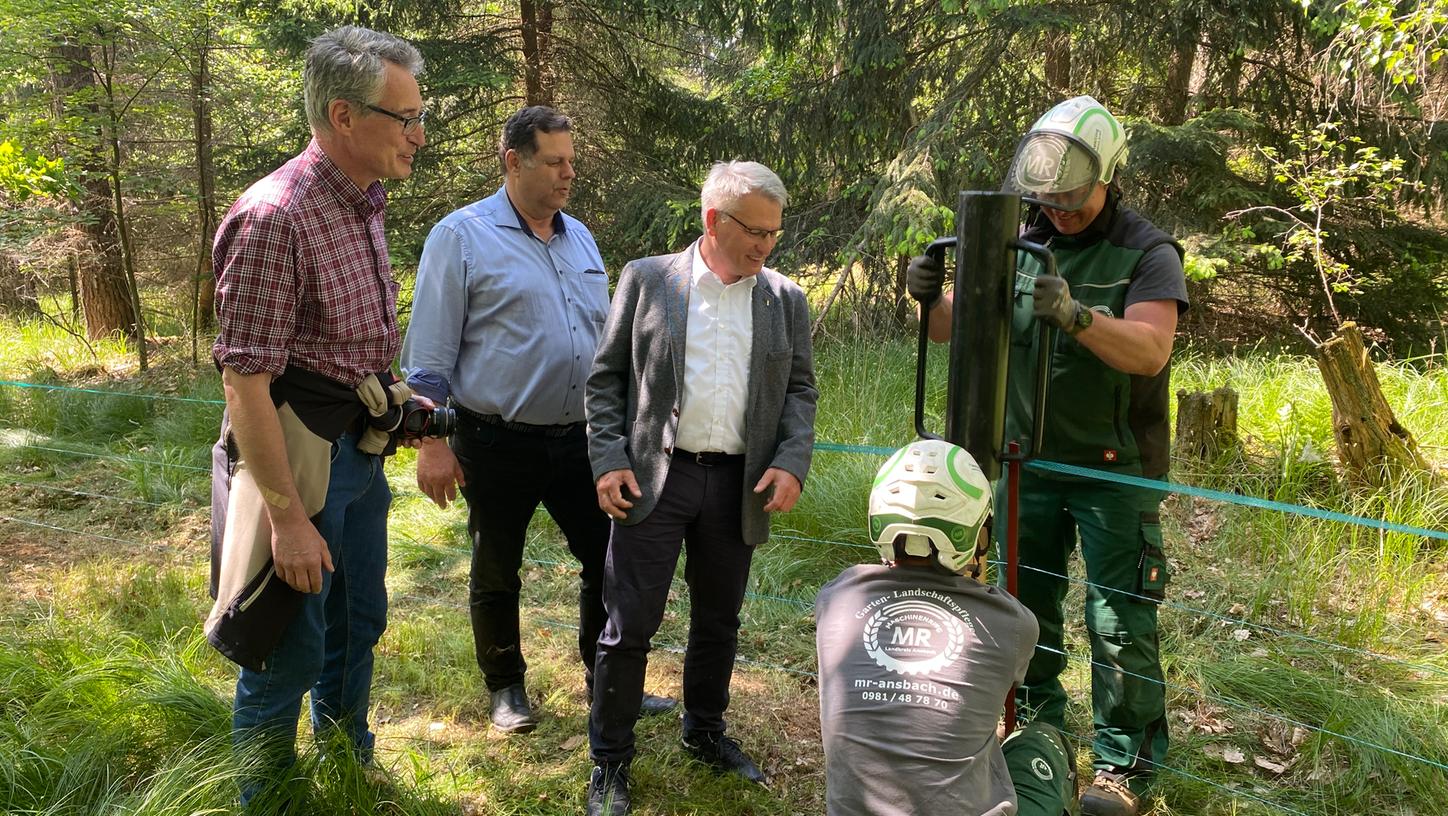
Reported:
(1196, 611)
(1248, 707)
(1038, 464)
(1222, 496)
(27, 483)
(108, 393)
(112, 456)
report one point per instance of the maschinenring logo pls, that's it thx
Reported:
(914, 637)
(1042, 769)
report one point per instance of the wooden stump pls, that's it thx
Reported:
(1206, 424)
(1370, 441)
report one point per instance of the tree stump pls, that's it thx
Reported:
(1206, 424)
(1370, 441)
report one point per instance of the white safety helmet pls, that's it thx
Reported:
(934, 494)
(1059, 160)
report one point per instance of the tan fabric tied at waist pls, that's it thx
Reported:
(379, 400)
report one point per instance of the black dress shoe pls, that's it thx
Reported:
(653, 705)
(511, 713)
(608, 791)
(724, 755)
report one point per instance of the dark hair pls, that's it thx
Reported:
(520, 132)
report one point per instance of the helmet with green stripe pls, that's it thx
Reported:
(1066, 152)
(932, 498)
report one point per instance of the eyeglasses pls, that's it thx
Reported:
(762, 234)
(410, 124)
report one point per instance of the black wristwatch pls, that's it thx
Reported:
(1084, 317)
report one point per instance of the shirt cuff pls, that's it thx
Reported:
(251, 360)
(430, 384)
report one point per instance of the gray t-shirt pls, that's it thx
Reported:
(914, 668)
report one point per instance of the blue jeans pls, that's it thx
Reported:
(327, 649)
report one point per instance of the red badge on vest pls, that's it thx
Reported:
(1108, 455)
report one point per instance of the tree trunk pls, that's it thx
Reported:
(101, 278)
(537, 19)
(1172, 108)
(72, 268)
(1058, 61)
(1371, 444)
(128, 252)
(1206, 424)
(203, 283)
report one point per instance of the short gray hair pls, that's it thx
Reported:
(350, 63)
(730, 181)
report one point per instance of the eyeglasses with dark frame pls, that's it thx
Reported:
(409, 123)
(764, 234)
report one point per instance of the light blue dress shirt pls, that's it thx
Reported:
(502, 321)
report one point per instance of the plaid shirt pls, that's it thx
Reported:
(303, 276)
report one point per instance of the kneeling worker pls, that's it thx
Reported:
(916, 657)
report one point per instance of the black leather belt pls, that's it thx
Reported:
(519, 427)
(709, 458)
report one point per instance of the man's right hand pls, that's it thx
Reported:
(925, 280)
(612, 498)
(438, 473)
(299, 554)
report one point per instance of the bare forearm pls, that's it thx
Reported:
(258, 434)
(941, 316)
(1128, 346)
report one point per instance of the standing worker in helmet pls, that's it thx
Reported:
(1119, 292)
(916, 657)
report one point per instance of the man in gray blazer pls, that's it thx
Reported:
(701, 407)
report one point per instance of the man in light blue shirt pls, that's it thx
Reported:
(511, 295)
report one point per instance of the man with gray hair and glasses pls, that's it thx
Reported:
(306, 303)
(701, 407)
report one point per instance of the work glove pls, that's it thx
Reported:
(1054, 304)
(924, 280)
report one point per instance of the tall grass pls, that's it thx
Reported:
(112, 703)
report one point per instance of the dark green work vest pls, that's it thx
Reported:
(1096, 416)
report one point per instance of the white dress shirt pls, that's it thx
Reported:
(717, 347)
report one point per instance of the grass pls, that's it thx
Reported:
(113, 703)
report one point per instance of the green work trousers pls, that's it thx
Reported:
(1120, 533)
(1043, 770)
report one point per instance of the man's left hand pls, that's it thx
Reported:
(786, 490)
(1053, 302)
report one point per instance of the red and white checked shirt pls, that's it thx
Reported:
(303, 277)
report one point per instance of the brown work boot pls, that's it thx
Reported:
(1109, 795)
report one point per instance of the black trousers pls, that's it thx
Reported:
(699, 506)
(508, 475)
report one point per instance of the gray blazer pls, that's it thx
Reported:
(634, 391)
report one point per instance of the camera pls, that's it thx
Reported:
(412, 421)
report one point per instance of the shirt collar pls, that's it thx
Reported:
(702, 272)
(559, 227)
(366, 203)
